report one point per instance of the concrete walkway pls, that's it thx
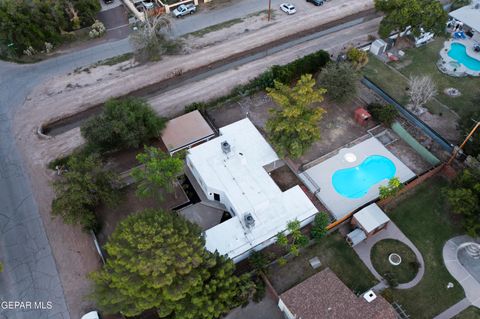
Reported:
(454, 310)
(364, 249)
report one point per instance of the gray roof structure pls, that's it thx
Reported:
(469, 15)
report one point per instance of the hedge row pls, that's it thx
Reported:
(287, 73)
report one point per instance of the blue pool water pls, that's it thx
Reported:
(459, 53)
(355, 182)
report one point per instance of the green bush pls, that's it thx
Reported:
(383, 113)
(29, 24)
(457, 4)
(339, 79)
(81, 188)
(466, 124)
(123, 124)
(288, 73)
(319, 228)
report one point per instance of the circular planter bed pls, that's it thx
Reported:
(403, 269)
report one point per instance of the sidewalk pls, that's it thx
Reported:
(364, 249)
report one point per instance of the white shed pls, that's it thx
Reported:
(378, 47)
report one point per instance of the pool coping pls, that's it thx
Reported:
(321, 175)
(461, 70)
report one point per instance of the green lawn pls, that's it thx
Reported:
(408, 268)
(469, 313)
(424, 218)
(419, 61)
(333, 252)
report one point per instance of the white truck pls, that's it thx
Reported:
(183, 10)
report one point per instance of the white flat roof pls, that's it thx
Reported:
(469, 15)
(322, 173)
(371, 217)
(249, 188)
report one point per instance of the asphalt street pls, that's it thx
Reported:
(30, 273)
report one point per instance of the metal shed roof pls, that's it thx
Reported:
(186, 130)
(371, 217)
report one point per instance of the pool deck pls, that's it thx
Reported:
(461, 70)
(319, 177)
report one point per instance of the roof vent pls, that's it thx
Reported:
(369, 296)
(249, 220)
(225, 147)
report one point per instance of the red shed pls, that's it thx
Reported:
(362, 116)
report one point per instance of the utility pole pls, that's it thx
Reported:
(269, 9)
(463, 144)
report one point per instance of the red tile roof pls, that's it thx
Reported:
(324, 295)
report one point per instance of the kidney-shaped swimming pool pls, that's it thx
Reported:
(355, 182)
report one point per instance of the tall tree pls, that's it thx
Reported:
(123, 124)
(158, 172)
(293, 127)
(151, 40)
(83, 186)
(417, 14)
(340, 80)
(463, 197)
(157, 260)
(422, 89)
(466, 124)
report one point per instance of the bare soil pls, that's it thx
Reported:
(130, 204)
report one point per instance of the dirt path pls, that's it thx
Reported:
(73, 249)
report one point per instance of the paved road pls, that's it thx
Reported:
(30, 272)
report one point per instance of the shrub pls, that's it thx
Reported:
(319, 228)
(260, 289)
(383, 113)
(392, 189)
(391, 280)
(97, 29)
(123, 124)
(357, 57)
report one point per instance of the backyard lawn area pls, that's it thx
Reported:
(333, 252)
(408, 268)
(422, 61)
(423, 216)
(469, 313)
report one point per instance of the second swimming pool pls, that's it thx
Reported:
(459, 52)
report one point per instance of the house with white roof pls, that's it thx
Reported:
(233, 169)
(469, 16)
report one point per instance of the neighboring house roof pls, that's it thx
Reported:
(371, 217)
(469, 15)
(240, 176)
(186, 130)
(324, 295)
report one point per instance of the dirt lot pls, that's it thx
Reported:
(337, 127)
(131, 204)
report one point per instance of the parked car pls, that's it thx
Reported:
(288, 8)
(183, 10)
(107, 1)
(316, 2)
